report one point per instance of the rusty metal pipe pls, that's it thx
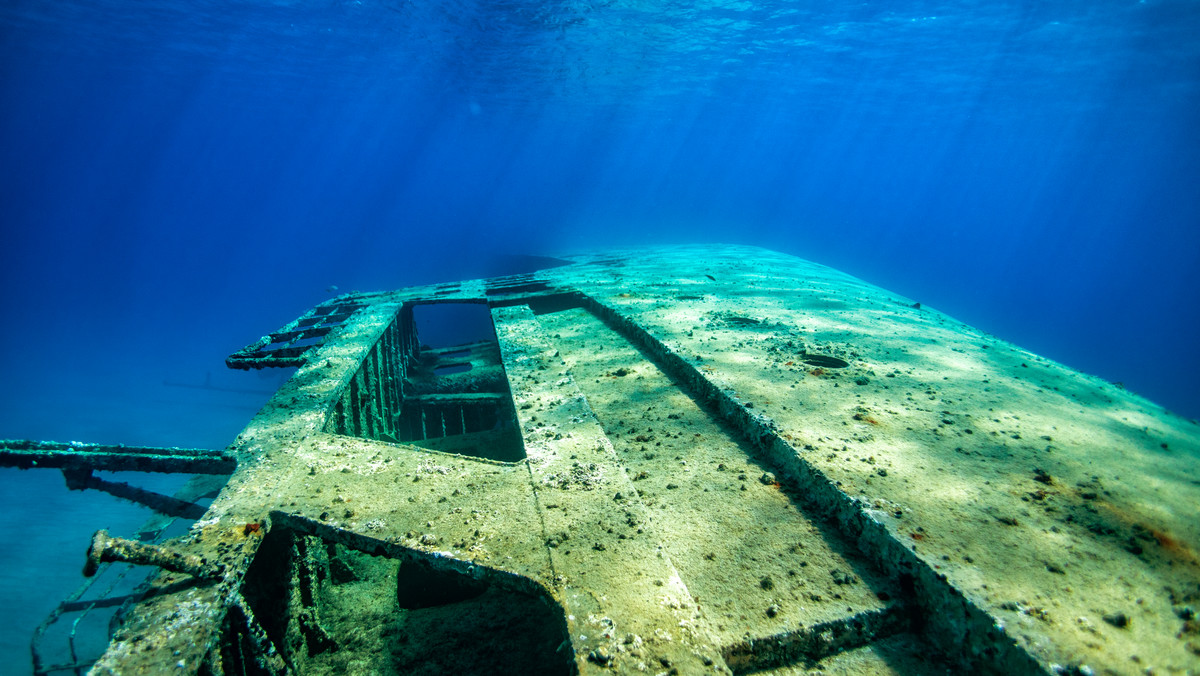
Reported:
(105, 548)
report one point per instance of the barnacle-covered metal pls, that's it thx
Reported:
(681, 459)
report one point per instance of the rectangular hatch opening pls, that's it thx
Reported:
(435, 380)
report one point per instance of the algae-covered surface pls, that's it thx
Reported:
(688, 460)
(746, 553)
(1061, 504)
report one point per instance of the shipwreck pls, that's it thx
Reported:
(696, 459)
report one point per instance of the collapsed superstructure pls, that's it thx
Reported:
(672, 460)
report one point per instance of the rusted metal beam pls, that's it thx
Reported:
(73, 455)
(459, 399)
(106, 548)
(79, 480)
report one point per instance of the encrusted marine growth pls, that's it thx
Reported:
(677, 460)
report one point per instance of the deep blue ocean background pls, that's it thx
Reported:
(180, 177)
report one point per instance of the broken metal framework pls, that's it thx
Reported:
(692, 459)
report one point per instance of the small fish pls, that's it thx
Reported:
(332, 289)
(711, 277)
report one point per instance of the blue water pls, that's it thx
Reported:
(180, 177)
